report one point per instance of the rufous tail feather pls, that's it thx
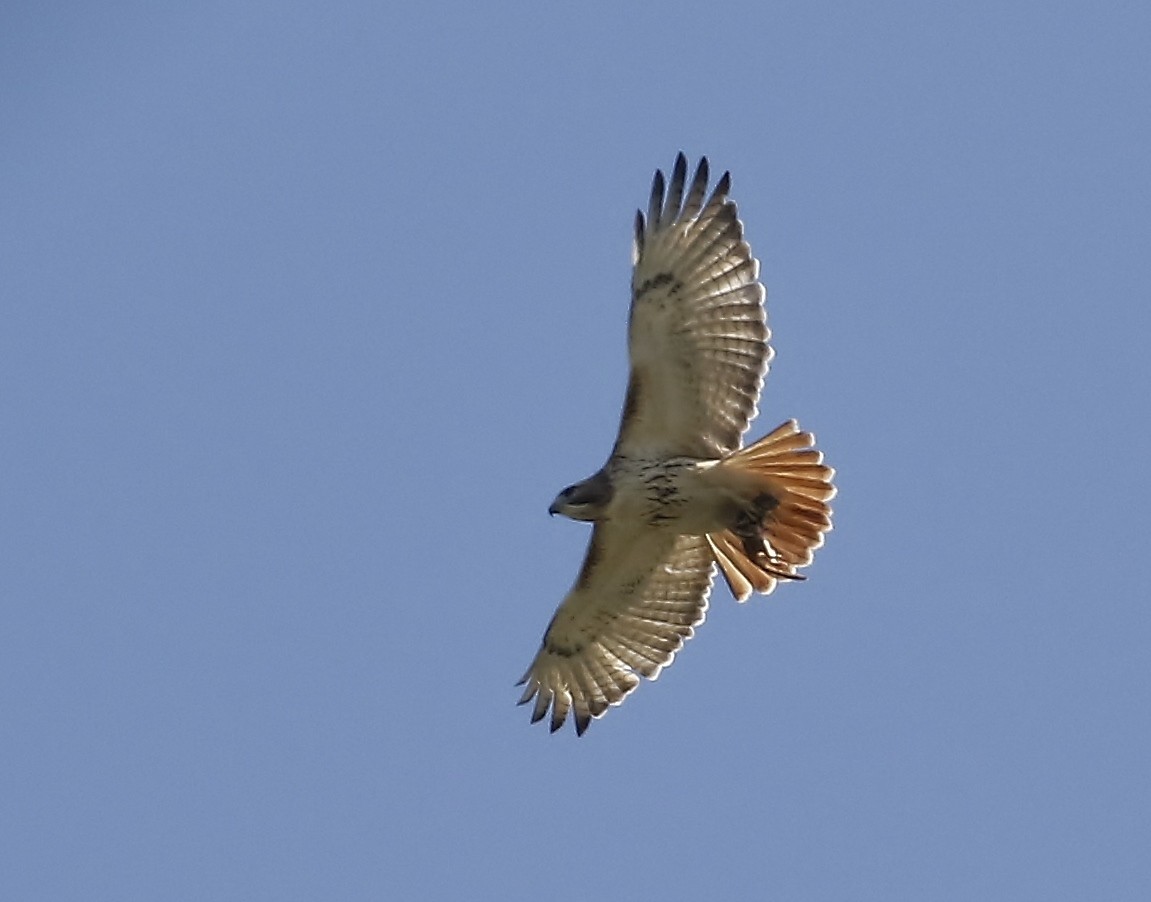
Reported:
(787, 488)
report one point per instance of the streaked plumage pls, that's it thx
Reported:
(678, 494)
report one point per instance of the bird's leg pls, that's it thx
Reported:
(750, 522)
(749, 526)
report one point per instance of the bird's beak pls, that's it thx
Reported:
(554, 509)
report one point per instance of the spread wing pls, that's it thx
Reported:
(637, 600)
(698, 332)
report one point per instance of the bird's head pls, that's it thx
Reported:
(585, 500)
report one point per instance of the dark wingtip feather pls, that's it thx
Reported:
(697, 191)
(529, 693)
(675, 189)
(655, 205)
(702, 172)
(722, 187)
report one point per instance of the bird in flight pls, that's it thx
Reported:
(679, 493)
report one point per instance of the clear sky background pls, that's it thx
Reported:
(309, 309)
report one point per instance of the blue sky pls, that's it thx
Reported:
(310, 309)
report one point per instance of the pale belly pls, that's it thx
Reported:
(675, 495)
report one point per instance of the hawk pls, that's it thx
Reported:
(679, 493)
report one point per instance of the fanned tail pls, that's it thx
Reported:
(786, 486)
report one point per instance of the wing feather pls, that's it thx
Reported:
(627, 616)
(698, 336)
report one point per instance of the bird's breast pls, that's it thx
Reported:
(671, 493)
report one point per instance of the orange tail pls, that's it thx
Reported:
(787, 487)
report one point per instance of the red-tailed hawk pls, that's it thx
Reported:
(679, 493)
